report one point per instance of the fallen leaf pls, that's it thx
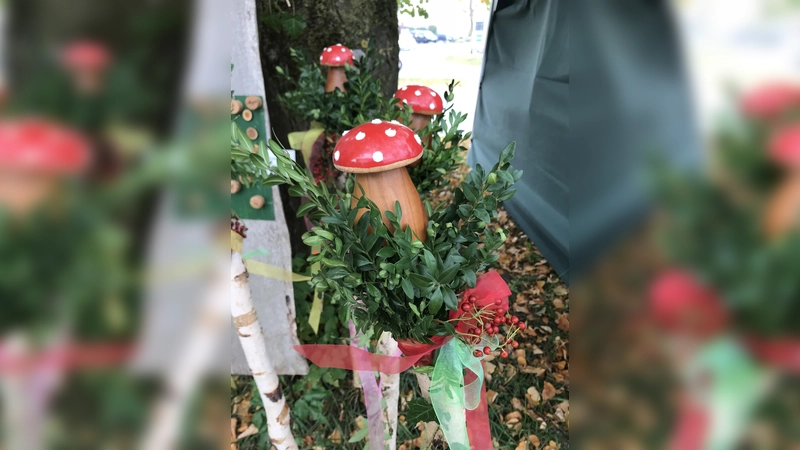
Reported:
(534, 440)
(336, 436)
(522, 446)
(490, 396)
(537, 351)
(250, 431)
(533, 396)
(548, 392)
(233, 429)
(516, 404)
(558, 304)
(563, 322)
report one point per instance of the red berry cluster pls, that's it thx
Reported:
(238, 227)
(475, 321)
(322, 167)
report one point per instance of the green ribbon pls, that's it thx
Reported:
(450, 397)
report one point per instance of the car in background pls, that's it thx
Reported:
(445, 38)
(425, 36)
(407, 40)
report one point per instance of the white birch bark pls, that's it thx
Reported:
(254, 345)
(391, 392)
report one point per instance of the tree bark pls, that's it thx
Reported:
(348, 22)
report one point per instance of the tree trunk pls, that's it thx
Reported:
(471, 18)
(279, 420)
(327, 22)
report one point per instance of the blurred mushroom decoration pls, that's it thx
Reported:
(87, 61)
(335, 57)
(783, 211)
(378, 153)
(34, 156)
(424, 101)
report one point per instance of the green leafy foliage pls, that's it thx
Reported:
(444, 153)
(337, 111)
(420, 410)
(388, 281)
(291, 24)
(413, 7)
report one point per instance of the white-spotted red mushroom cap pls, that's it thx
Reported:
(336, 56)
(86, 54)
(40, 146)
(423, 100)
(377, 146)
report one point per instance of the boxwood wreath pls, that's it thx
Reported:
(388, 280)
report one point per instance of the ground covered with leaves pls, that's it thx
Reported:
(528, 393)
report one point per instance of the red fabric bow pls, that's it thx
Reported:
(489, 288)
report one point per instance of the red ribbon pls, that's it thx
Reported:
(67, 357)
(488, 289)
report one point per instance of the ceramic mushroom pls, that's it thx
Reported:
(424, 101)
(783, 210)
(378, 153)
(34, 156)
(334, 58)
(87, 61)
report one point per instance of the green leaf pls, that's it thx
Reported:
(424, 369)
(359, 436)
(420, 410)
(293, 24)
(420, 281)
(408, 288)
(386, 252)
(305, 208)
(436, 301)
(508, 153)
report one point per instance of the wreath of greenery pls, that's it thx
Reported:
(387, 280)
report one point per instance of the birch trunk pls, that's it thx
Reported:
(391, 392)
(255, 349)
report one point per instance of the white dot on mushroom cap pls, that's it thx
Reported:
(320, 57)
(338, 44)
(344, 49)
(336, 155)
(377, 156)
(376, 121)
(404, 88)
(344, 133)
(391, 132)
(337, 58)
(433, 93)
(328, 49)
(433, 105)
(417, 93)
(360, 136)
(405, 101)
(416, 138)
(396, 122)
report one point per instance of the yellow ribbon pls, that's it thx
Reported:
(264, 269)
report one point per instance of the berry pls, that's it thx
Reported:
(496, 330)
(473, 299)
(515, 319)
(502, 312)
(477, 353)
(504, 354)
(515, 344)
(498, 302)
(472, 331)
(487, 351)
(522, 326)
(466, 307)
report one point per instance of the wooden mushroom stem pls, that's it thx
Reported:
(384, 188)
(336, 79)
(783, 210)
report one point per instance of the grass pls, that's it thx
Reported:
(327, 409)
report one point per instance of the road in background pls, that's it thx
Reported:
(435, 64)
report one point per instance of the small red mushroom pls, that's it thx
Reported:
(34, 154)
(378, 153)
(424, 101)
(335, 57)
(87, 61)
(783, 211)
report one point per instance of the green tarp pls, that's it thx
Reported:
(584, 151)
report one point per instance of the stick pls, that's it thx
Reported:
(391, 391)
(255, 349)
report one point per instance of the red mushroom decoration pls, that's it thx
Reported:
(87, 61)
(783, 210)
(770, 101)
(378, 153)
(424, 101)
(34, 154)
(334, 58)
